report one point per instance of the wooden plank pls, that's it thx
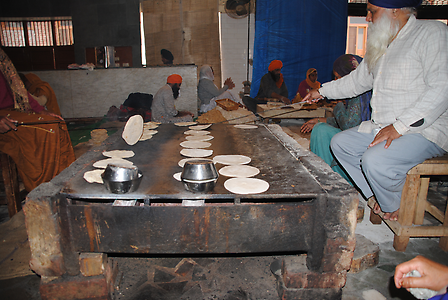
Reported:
(421, 201)
(11, 183)
(268, 112)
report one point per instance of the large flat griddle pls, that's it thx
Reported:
(158, 159)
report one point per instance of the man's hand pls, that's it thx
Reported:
(6, 124)
(313, 96)
(309, 125)
(229, 83)
(387, 134)
(434, 275)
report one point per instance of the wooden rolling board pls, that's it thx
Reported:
(267, 111)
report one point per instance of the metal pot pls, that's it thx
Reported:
(199, 175)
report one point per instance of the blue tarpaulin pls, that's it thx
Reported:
(302, 34)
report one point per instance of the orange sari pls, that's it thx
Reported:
(40, 151)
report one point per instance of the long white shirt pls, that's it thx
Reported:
(410, 83)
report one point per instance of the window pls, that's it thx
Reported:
(38, 43)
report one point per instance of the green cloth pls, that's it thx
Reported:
(320, 145)
(81, 133)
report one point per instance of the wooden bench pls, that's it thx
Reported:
(11, 182)
(413, 206)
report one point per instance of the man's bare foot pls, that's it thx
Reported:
(376, 208)
(392, 216)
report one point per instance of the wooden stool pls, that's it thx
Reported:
(413, 206)
(11, 182)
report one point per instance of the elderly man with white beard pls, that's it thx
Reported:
(406, 65)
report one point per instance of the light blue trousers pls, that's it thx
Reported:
(379, 171)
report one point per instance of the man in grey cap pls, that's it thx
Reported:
(406, 65)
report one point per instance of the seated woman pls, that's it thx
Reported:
(347, 114)
(40, 151)
(306, 85)
(42, 91)
(208, 92)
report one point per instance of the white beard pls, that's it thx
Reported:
(379, 36)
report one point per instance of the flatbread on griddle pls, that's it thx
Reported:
(246, 186)
(115, 161)
(119, 153)
(202, 138)
(200, 127)
(246, 126)
(240, 171)
(185, 123)
(195, 144)
(232, 159)
(94, 176)
(133, 130)
(197, 132)
(196, 152)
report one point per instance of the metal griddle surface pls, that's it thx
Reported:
(158, 159)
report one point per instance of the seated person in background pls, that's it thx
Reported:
(272, 85)
(434, 276)
(208, 92)
(40, 151)
(167, 57)
(306, 85)
(347, 114)
(163, 109)
(42, 91)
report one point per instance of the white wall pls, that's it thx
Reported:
(82, 93)
(234, 50)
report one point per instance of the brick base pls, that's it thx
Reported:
(98, 287)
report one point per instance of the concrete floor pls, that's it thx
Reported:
(221, 277)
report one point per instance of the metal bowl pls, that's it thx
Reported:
(122, 187)
(199, 169)
(120, 173)
(203, 186)
(199, 175)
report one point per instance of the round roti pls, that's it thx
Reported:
(148, 131)
(195, 144)
(246, 185)
(150, 125)
(231, 159)
(145, 137)
(246, 126)
(116, 161)
(197, 132)
(177, 176)
(196, 152)
(202, 138)
(119, 153)
(185, 123)
(94, 176)
(200, 127)
(133, 130)
(240, 171)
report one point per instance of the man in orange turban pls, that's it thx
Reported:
(272, 85)
(163, 109)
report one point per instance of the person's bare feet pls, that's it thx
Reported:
(376, 208)
(392, 216)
